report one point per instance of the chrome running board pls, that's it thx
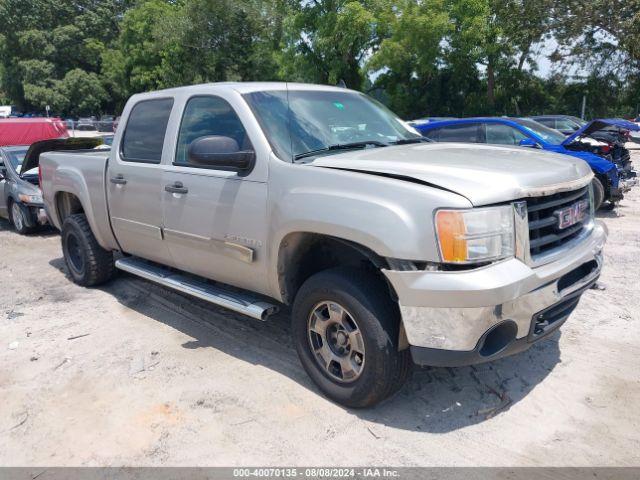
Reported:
(238, 302)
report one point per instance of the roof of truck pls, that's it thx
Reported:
(246, 87)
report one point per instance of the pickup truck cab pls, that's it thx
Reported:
(389, 249)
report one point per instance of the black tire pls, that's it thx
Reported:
(598, 193)
(88, 263)
(364, 297)
(20, 225)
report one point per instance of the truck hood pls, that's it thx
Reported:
(598, 124)
(481, 173)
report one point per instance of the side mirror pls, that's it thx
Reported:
(528, 142)
(3, 173)
(222, 153)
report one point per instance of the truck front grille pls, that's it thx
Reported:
(545, 232)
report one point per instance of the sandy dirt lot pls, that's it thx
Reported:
(134, 374)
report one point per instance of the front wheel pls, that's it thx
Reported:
(598, 193)
(19, 219)
(346, 329)
(89, 264)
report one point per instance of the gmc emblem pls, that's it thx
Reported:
(573, 214)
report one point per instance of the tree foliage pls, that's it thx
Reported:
(421, 57)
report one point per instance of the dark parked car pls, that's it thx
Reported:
(567, 124)
(20, 197)
(86, 124)
(105, 124)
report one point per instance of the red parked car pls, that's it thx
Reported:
(25, 131)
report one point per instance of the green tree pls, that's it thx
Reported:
(408, 61)
(600, 34)
(43, 40)
(165, 44)
(328, 41)
(83, 91)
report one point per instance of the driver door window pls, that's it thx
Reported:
(466, 133)
(206, 116)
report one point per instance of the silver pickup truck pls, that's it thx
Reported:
(390, 250)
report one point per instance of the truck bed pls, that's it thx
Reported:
(80, 173)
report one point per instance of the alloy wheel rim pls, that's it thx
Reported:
(17, 216)
(336, 342)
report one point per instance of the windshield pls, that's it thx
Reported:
(16, 157)
(547, 134)
(304, 121)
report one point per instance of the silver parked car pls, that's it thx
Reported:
(20, 197)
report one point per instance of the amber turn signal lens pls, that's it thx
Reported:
(451, 233)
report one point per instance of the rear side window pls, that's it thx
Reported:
(499, 134)
(466, 133)
(567, 125)
(146, 127)
(547, 122)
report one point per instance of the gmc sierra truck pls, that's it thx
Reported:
(389, 249)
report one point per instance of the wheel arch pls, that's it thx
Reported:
(302, 254)
(66, 203)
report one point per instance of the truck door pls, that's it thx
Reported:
(134, 181)
(214, 220)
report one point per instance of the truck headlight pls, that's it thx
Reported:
(30, 198)
(476, 235)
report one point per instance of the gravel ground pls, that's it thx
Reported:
(134, 374)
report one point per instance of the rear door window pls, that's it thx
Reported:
(567, 125)
(548, 122)
(466, 133)
(143, 137)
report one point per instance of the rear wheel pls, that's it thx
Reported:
(598, 193)
(18, 216)
(345, 328)
(89, 264)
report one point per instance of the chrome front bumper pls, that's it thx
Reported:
(455, 310)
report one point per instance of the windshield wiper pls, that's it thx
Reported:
(407, 141)
(341, 146)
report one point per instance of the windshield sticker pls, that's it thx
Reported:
(338, 105)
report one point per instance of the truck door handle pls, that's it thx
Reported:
(176, 187)
(118, 180)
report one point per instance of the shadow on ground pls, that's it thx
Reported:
(434, 400)
(43, 231)
(607, 211)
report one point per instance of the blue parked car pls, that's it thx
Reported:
(527, 133)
